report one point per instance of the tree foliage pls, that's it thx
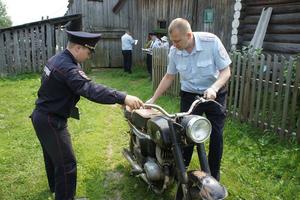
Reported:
(5, 20)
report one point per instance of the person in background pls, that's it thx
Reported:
(127, 45)
(203, 66)
(155, 43)
(164, 42)
(62, 83)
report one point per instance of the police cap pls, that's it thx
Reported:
(86, 39)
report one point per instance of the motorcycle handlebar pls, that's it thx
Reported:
(194, 104)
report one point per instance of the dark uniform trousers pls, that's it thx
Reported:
(60, 161)
(216, 115)
(127, 59)
(149, 64)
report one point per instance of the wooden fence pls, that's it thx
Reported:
(26, 48)
(159, 69)
(263, 90)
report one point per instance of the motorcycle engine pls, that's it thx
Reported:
(153, 170)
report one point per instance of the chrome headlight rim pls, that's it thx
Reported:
(192, 122)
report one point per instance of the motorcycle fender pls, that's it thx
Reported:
(208, 187)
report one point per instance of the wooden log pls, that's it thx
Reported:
(279, 47)
(233, 47)
(282, 47)
(235, 23)
(269, 2)
(236, 15)
(237, 6)
(277, 9)
(288, 79)
(274, 29)
(281, 38)
(234, 39)
(234, 31)
(289, 18)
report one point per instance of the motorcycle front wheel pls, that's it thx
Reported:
(180, 194)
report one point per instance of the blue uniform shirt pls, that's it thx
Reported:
(199, 69)
(127, 42)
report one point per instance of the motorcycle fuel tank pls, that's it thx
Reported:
(158, 129)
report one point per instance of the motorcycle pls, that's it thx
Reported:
(155, 151)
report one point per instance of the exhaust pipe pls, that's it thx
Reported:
(136, 168)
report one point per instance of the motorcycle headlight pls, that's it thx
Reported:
(198, 129)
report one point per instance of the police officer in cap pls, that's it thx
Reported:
(62, 83)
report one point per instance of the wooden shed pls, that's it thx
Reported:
(283, 31)
(25, 48)
(113, 17)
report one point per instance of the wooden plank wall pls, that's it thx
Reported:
(25, 49)
(141, 17)
(154, 10)
(99, 18)
(159, 69)
(283, 33)
(223, 16)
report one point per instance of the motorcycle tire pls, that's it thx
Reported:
(179, 193)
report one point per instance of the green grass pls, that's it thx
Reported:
(255, 164)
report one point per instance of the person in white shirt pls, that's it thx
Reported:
(156, 43)
(165, 42)
(127, 44)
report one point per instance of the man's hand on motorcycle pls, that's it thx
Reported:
(210, 93)
(133, 102)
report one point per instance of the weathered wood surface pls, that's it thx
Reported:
(269, 2)
(283, 30)
(26, 48)
(277, 9)
(288, 18)
(141, 17)
(287, 38)
(159, 69)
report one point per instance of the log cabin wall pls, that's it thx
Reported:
(283, 33)
(143, 16)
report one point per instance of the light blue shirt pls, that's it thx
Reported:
(127, 42)
(199, 69)
(156, 44)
